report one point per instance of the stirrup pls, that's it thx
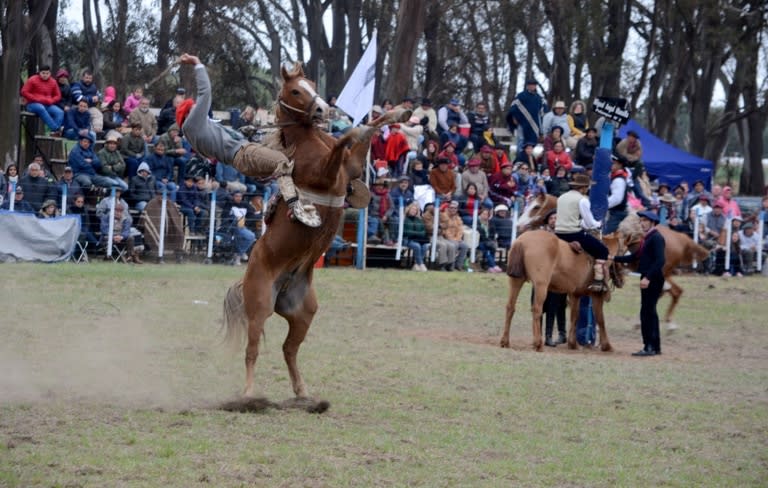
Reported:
(597, 286)
(306, 214)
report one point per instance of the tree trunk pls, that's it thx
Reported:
(410, 25)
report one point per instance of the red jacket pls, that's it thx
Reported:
(35, 90)
(554, 160)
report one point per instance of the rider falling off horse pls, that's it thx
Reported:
(213, 140)
(575, 220)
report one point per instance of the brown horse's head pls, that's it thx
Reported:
(298, 102)
(535, 212)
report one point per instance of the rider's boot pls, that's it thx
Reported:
(598, 282)
(306, 213)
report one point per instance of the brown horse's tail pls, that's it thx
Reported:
(235, 324)
(699, 252)
(515, 261)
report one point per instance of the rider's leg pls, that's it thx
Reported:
(305, 213)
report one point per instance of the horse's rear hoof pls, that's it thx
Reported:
(606, 347)
(538, 347)
(504, 344)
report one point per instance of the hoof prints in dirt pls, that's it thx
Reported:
(260, 405)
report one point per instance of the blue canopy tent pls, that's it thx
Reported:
(667, 163)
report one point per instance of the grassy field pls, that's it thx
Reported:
(112, 375)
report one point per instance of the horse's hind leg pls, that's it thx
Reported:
(299, 321)
(255, 331)
(675, 292)
(514, 290)
(258, 308)
(597, 308)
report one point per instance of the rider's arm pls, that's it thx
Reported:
(585, 209)
(618, 188)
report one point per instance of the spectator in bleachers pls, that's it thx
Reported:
(733, 268)
(405, 104)
(48, 210)
(578, 123)
(501, 226)
(142, 188)
(526, 182)
(698, 189)
(43, 95)
(133, 148)
(764, 209)
(112, 163)
(631, 148)
(121, 232)
(396, 150)
(749, 242)
(77, 122)
(553, 136)
(115, 118)
(132, 100)
(486, 242)
(467, 203)
(143, 116)
(175, 148)
(450, 113)
(402, 189)
(479, 123)
(428, 217)
(715, 227)
(702, 208)
(37, 188)
(584, 155)
(105, 204)
(192, 204)
(247, 117)
(557, 118)
(19, 203)
(730, 206)
(73, 187)
(86, 230)
(525, 114)
(558, 184)
(429, 155)
(526, 156)
(11, 176)
(167, 116)
(62, 79)
(453, 232)
(415, 236)
(380, 210)
(452, 139)
(86, 90)
(499, 157)
(425, 110)
(418, 174)
(473, 175)
(443, 179)
(85, 164)
(235, 216)
(162, 169)
(414, 134)
(558, 157)
(502, 187)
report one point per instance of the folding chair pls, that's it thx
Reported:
(81, 252)
(119, 253)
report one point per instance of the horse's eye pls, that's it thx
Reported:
(295, 93)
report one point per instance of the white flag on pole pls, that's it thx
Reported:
(356, 99)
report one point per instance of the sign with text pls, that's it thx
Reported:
(615, 109)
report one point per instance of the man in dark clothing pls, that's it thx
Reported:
(19, 204)
(525, 114)
(37, 188)
(650, 266)
(192, 203)
(585, 149)
(617, 197)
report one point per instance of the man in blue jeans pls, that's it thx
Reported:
(236, 216)
(43, 95)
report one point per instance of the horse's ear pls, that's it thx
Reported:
(298, 69)
(284, 73)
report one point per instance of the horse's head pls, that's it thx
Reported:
(298, 102)
(535, 212)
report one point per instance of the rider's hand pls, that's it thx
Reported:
(189, 59)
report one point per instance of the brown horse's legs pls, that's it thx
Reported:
(573, 304)
(514, 290)
(597, 308)
(298, 325)
(675, 292)
(257, 297)
(255, 330)
(539, 295)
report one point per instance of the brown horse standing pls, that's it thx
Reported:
(281, 263)
(550, 264)
(679, 250)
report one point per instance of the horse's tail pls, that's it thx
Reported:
(516, 261)
(235, 323)
(699, 252)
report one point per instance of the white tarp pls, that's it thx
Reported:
(24, 237)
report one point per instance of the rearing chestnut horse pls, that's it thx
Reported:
(281, 263)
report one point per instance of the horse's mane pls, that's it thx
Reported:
(630, 227)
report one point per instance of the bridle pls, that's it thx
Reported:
(297, 115)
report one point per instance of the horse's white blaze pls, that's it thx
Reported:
(318, 99)
(525, 218)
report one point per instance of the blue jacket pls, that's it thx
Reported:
(21, 207)
(396, 193)
(77, 120)
(190, 197)
(77, 160)
(80, 90)
(125, 231)
(161, 166)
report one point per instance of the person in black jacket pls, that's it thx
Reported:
(650, 266)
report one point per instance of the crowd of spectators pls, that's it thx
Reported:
(442, 155)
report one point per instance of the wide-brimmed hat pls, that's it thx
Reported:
(618, 158)
(668, 198)
(647, 214)
(48, 203)
(559, 104)
(580, 181)
(500, 207)
(111, 138)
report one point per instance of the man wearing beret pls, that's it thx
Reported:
(650, 257)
